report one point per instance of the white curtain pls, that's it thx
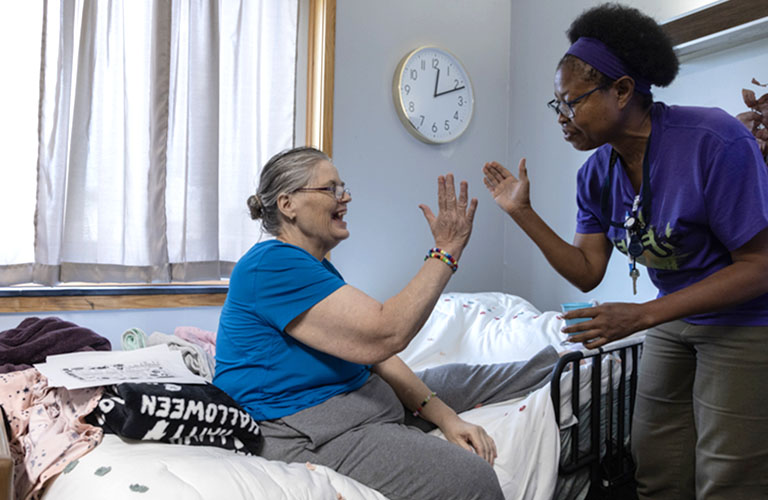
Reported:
(155, 118)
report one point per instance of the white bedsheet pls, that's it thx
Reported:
(486, 327)
(470, 328)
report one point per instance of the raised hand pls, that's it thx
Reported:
(452, 226)
(511, 193)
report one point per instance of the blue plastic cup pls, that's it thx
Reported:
(572, 306)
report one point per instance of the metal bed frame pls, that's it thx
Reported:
(607, 460)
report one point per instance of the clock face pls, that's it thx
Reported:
(433, 95)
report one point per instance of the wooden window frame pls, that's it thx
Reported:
(319, 130)
(320, 74)
(718, 26)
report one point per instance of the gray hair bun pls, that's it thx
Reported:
(255, 206)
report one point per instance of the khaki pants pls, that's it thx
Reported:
(700, 427)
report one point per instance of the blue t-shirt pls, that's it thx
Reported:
(268, 372)
(709, 196)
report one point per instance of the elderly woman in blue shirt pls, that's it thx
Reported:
(314, 359)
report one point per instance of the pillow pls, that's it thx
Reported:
(193, 414)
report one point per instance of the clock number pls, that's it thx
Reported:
(455, 84)
(414, 74)
(411, 107)
(456, 115)
(407, 89)
(423, 64)
(461, 100)
(435, 62)
(447, 125)
(421, 121)
(434, 127)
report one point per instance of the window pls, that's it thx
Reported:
(195, 67)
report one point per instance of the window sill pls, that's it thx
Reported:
(32, 299)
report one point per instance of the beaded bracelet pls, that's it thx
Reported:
(436, 253)
(423, 404)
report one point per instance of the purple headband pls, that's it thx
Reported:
(595, 53)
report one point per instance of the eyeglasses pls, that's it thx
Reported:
(338, 190)
(567, 110)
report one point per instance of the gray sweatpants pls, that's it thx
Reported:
(368, 435)
(701, 415)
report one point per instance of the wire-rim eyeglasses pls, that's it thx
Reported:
(567, 110)
(338, 191)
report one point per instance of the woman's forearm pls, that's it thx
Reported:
(739, 282)
(728, 287)
(405, 313)
(569, 261)
(353, 326)
(412, 391)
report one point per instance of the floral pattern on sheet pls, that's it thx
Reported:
(47, 427)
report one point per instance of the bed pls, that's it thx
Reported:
(561, 450)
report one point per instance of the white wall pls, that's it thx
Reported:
(389, 171)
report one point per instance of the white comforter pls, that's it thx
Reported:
(472, 328)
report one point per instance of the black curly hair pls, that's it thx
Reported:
(633, 36)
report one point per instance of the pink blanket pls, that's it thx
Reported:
(47, 427)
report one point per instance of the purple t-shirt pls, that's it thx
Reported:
(709, 196)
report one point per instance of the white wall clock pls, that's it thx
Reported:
(433, 95)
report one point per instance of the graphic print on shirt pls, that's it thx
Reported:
(660, 250)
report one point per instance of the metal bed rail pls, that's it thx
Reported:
(607, 458)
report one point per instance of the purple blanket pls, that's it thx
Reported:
(36, 338)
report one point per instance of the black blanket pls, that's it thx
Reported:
(194, 414)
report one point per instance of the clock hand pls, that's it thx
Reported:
(437, 79)
(449, 91)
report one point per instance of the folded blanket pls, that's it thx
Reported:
(133, 338)
(35, 339)
(203, 338)
(195, 358)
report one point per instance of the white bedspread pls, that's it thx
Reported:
(486, 327)
(471, 328)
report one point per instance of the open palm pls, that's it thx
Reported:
(509, 192)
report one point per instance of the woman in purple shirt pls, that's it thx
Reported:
(682, 191)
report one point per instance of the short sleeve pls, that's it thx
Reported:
(588, 219)
(736, 193)
(289, 282)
